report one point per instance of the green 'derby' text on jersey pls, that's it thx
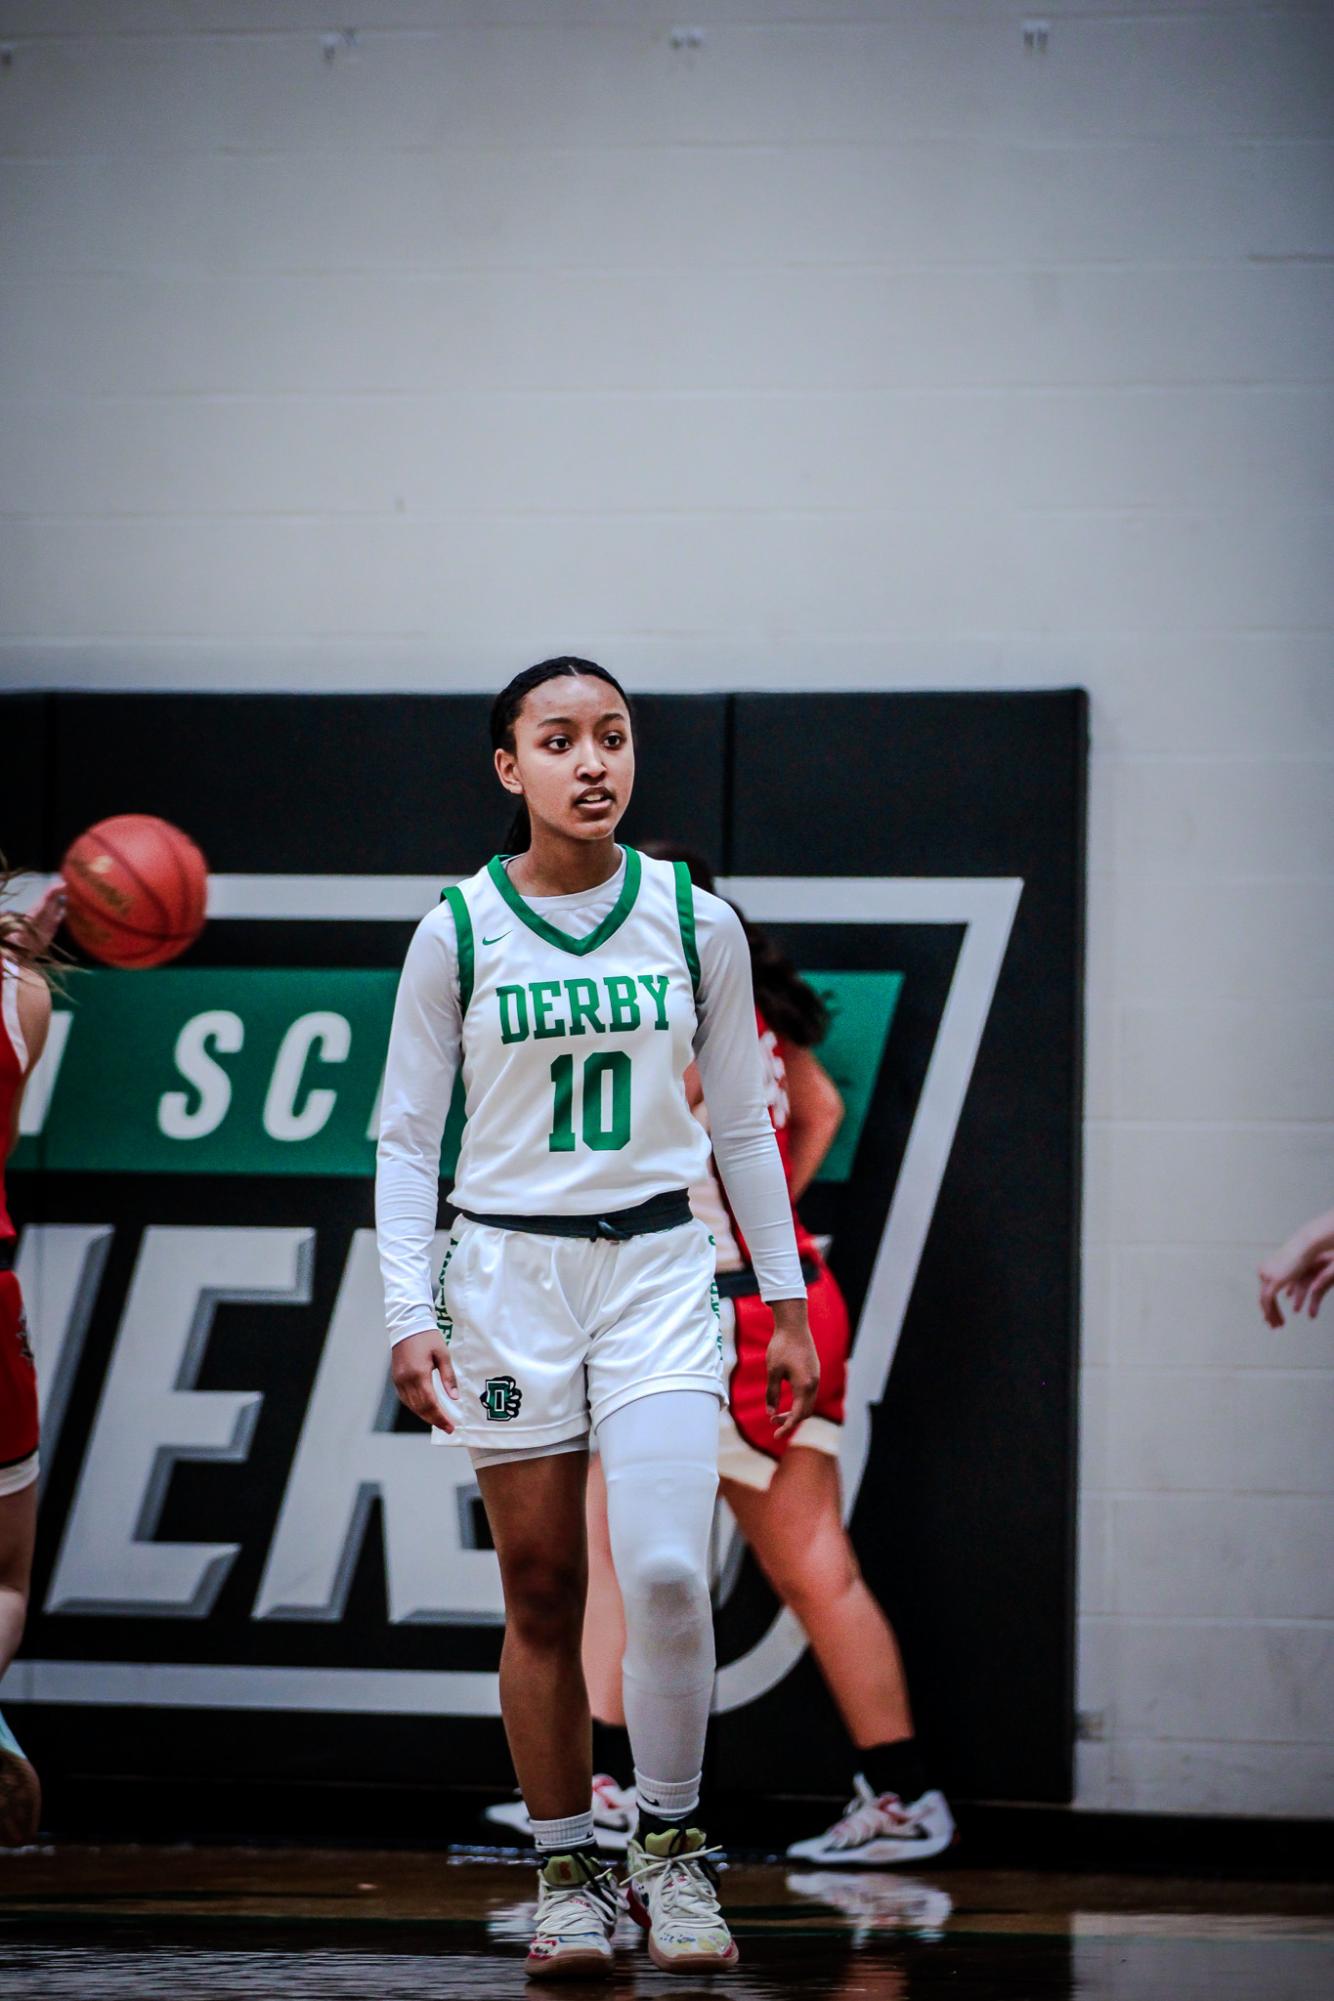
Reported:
(575, 1049)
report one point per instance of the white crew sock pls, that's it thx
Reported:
(560, 1837)
(668, 1799)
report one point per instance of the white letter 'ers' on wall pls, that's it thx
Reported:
(349, 1454)
(150, 1415)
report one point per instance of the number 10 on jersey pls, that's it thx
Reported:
(605, 1107)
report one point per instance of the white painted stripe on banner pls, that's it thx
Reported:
(323, 899)
(799, 899)
(987, 907)
(158, 1685)
(788, 899)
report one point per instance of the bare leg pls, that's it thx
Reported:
(796, 1531)
(20, 1793)
(536, 1511)
(18, 1528)
(604, 1614)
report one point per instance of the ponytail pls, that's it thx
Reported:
(520, 835)
(788, 1003)
(18, 941)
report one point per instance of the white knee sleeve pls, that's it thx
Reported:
(660, 1458)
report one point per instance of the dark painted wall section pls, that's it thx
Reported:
(965, 1520)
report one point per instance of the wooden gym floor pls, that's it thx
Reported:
(83, 1923)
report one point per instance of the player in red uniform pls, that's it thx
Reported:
(25, 1016)
(784, 1493)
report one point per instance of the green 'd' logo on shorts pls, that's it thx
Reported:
(501, 1399)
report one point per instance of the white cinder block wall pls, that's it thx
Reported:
(857, 342)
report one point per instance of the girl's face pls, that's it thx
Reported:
(573, 760)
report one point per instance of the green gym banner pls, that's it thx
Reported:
(258, 1071)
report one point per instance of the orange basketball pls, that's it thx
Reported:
(136, 887)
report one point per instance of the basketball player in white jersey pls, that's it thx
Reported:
(572, 983)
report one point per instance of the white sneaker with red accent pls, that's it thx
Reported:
(672, 1889)
(615, 1812)
(577, 1905)
(881, 1832)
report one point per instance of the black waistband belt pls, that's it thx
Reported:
(660, 1212)
(743, 1284)
(8, 1251)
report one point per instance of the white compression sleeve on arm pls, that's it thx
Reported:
(660, 1459)
(744, 1146)
(423, 1061)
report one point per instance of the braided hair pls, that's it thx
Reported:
(788, 1003)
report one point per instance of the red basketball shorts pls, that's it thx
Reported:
(18, 1392)
(748, 1450)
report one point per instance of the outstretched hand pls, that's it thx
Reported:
(1302, 1271)
(791, 1359)
(415, 1358)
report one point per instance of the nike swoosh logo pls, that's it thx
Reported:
(496, 940)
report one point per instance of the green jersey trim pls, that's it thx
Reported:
(612, 922)
(454, 897)
(685, 912)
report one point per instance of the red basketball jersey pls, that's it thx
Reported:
(773, 1060)
(13, 1064)
(748, 1384)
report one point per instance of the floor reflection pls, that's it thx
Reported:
(875, 1901)
(237, 1925)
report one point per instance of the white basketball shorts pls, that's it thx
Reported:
(549, 1335)
(21, 1474)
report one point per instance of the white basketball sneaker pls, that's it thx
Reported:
(881, 1832)
(672, 1888)
(615, 1812)
(577, 1904)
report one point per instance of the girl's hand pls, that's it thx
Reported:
(1304, 1290)
(1301, 1269)
(791, 1359)
(1313, 1289)
(415, 1357)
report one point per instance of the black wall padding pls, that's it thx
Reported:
(965, 1520)
(25, 758)
(345, 784)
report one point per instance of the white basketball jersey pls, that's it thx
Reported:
(575, 1049)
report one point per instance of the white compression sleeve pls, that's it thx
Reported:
(744, 1146)
(660, 1459)
(423, 1061)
